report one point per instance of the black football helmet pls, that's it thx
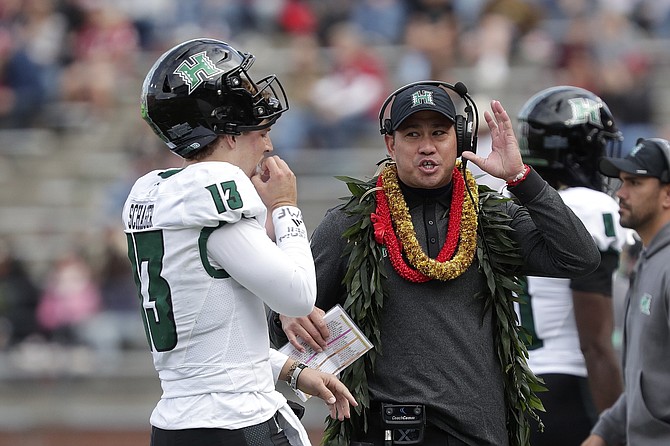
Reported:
(563, 132)
(201, 89)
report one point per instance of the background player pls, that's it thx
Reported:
(563, 132)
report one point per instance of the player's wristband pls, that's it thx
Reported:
(294, 373)
(520, 176)
(288, 223)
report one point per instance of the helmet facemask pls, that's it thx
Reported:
(247, 105)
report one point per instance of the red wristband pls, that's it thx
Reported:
(520, 177)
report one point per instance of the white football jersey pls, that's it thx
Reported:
(205, 268)
(550, 316)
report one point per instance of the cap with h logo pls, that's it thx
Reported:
(649, 158)
(421, 97)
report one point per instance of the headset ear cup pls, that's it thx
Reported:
(387, 127)
(460, 134)
(467, 132)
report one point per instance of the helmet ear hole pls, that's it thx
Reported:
(233, 82)
(166, 86)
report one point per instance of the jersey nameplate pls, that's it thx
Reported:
(140, 216)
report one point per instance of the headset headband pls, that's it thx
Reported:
(470, 125)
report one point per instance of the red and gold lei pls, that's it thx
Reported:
(393, 228)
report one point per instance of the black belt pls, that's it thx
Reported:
(266, 433)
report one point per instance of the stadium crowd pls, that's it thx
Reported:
(69, 65)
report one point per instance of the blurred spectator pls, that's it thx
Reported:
(652, 16)
(297, 18)
(431, 46)
(524, 15)
(576, 60)
(116, 326)
(264, 15)
(432, 8)
(22, 94)
(330, 14)
(468, 11)
(304, 68)
(626, 86)
(613, 35)
(42, 30)
(18, 300)
(152, 19)
(494, 41)
(346, 100)
(381, 21)
(212, 18)
(495, 38)
(567, 9)
(69, 298)
(103, 59)
(74, 13)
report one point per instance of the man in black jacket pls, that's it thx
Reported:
(424, 260)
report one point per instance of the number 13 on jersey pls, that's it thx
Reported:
(145, 250)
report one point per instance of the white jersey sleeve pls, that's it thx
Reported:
(277, 360)
(281, 274)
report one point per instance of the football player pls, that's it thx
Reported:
(205, 267)
(563, 132)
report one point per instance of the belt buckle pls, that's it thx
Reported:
(403, 423)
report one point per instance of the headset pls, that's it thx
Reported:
(665, 149)
(466, 126)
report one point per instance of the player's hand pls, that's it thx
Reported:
(276, 183)
(591, 440)
(330, 389)
(505, 160)
(311, 328)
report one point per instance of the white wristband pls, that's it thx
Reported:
(293, 379)
(288, 224)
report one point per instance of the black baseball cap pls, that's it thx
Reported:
(421, 97)
(646, 159)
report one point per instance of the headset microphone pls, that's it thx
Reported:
(460, 88)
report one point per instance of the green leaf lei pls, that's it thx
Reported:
(364, 280)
